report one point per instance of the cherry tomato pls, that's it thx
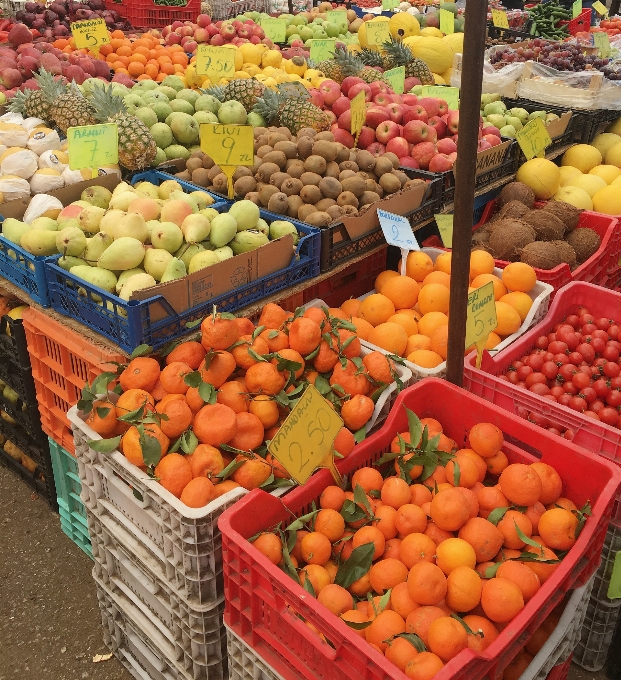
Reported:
(611, 369)
(589, 394)
(523, 372)
(534, 378)
(615, 383)
(588, 329)
(575, 358)
(513, 378)
(542, 342)
(570, 388)
(561, 359)
(581, 380)
(614, 399)
(517, 364)
(535, 361)
(577, 404)
(591, 414)
(601, 387)
(548, 356)
(614, 331)
(614, 343)
(598, 345)
(557, 391)
(601, 334)
(586, 318)
(569, 435)
(553, 430)
(549, 369)
(573, 320)
(603, 324)
(609, 415)
(588, 353)
(538, 419)
(539, 388)
(564, 399)
(558, 347)
(587, 370)
(597, 405)
(567, 371)
(610, 353)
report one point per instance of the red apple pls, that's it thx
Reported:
(316, 97)
(409, 162)
(376, 149)
(410, 83)
(397, 99)
(201, 35)
(331, 117)
(228, 32)
(399, 146)
(359, 87)
(176, 24)
(483, 145)
(348, 82)
(433, 135)
(345, 120)
(378, 87)
(236, 23)
(423, 152)
(386, 131)
(416, 131)
(297, 43)
(258, 31)
(453, 156)
(341, 105)
(330, 92)
(491, 130)
(494, 140)
(245, 32)
(440, 163)
(438, 124)
(442, 106)
(190, 46)
(454, 138)
(395, 111)
(343, 136)
(212, 29)
(430, 105)
(366, 137)
(415, 112)
(376, 115)
(382, 99)
(171, 39)
(203, 20)
(446, 146)
(452, 122)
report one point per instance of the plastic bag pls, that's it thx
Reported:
(39, 205)
(54, 159)
(13, 135)
(31, 123)
(493, 80)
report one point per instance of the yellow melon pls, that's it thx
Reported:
(435, 52)
(403, 25)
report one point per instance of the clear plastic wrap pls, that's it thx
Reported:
(493, 80)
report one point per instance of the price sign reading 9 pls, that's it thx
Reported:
(215, 62)
(228, 144)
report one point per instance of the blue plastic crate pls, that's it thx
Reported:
(130, 324)
(25, 270)
(158, 176)
(73, 520)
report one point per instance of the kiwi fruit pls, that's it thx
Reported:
(200, 177)
(254, 197)
(275, 137)
(330, 187)
(371, 185)
(306, 132)
(184, 175)
(411, 183)
(365, 160)
(258, 131)
(208, 163)
(256, 165)
(510, 237)
(278, 203)
(284, 131)
(547, 226)
(567, 253)
(332, 170)
(347, 198)
(266, 193)
(349, 165)
(277, 157)
(278, 178)
(389, 183)
(335, 212)
(315, 164)
(310, 178)
(343, 154)
(305, 211)
(193, 164)
(346, 174)
(214, 171)
(355, 184)
(369, 197)
(585, 242)
(318, 219)
(366, 175)
(197, 153)
(541, 254)
(401, 176)
(221, 183)
(382, 166)
(260, 141)
(244, 185)
(241, 171)
(295, 203)
(305, 147)
(262, 151)
(327, 136)
(311, 194)
(291, 186)
(394, 159)
(325, 149)
(288, 148)
(265, 172)
(324, 204)
(349, 211)
(295, 168)
(516, 191)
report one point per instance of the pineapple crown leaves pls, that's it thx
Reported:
(17, 103)
(107, 104)
(216, 91)
(269, 104)
(51, 87)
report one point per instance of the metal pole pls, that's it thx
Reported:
(465, 172)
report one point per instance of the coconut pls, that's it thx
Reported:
(509, 237)
(567, 213)
(547, 226)
(541, 254)
(480, 237)
(567, 253)
(516, 191)
(513, 209)
(585, 242)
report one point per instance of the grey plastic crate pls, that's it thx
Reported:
(245, 663)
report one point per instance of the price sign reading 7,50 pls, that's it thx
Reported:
(93, 146)
(481, 319)
(304, 441)
(215, 62)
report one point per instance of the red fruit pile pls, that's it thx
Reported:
(577, 365)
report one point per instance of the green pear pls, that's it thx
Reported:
(125, 253)
(122, 187)
(122, 201)
(279, 228)
(110, 220)
(166, 188)
(69, 261)
(224, 253)
(202, 198)
(182, 196)
(209, 213)
(195, 228)
(90, 219)
(13, 230)
(187, 252)
(223, 229)
(151, 225)
(168, 236)
(147, 189)
(202, 260)
(245, 213)
(102, 278)
(133, 225)
(96, 195)
(95, 247)
(263, 227)
(136, 282)
(248, 240)
(46, 223)
(123, 276)
(175, 269)
(70, 241)
(39, 242)
(156, 261)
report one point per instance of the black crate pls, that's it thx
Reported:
(336, 245)
(13, 341)
(517, 34)
(19, 379)
(613, 671)
(25, 412)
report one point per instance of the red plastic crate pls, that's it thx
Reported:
(597, 269)
(263, 606)
(149, 14)
(62, 362)
(592, 435)
(351, 282)
(560, 671)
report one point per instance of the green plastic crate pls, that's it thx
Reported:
(72, 513)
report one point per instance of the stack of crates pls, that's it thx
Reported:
(24, 446)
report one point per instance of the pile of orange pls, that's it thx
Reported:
(246, 372)
(141, 59)
(408, 315)
(442, 546)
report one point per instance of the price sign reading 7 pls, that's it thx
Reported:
(215, 62)
(93, 146)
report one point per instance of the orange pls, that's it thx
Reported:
(521, 302)
(218, 333)
(373, 535)
(332, 497)
(141, 373)
(357, 411)
(481, 262)
(501, 599)
(395, 492)
(132, 400)
(462, 471)
(179, 417)
(420, 494)
(215, 424)
(205, 461)
(386, 574)
(232, 394)
(415, 548)
(425, 358)
(483, 536)
(265, 409)
(401, 601)
(477, 460)
(402, 291)
(290, 355)
(551, 483)
(102, 418)
(429, 322)
(418, 265)
(486, 439)
(330, 523)
(508, 319)
(523, 577)
(376, 309)
(317, 575)
(447, 637)
(354, 616)
(517, 666)
(363, 327)
(424, 667)
(562, 503)
(483, 279)
(464, 588)
(434, 298)
(249, 432)
(390, 336)
(427, 583)
(263, 378)
(534, 513)
(217, 368)
(419, 620)
(336, 599)
(385, 516)
(453, 553)
(350, 307)
(381, 279)
(507, 527)
(191, 353)
(439, 342)
(368, 478)
(304, 335)
(410, 519)
(350, 379)
(135, 68)
(243, 358)
(520, 484)
(496, 464)
(172, 377)
(252, 473)
(174, 472)
(385, 625)
(344, 442)
(400, 652)
(409, 324)
(198, 492)
(443, 263)
(438, 277)
(519, 276)
(276, 340)
(379, 367)
(132, 448)
(316, 548)
(543, 570)
(485, 632)
(416, 342)
(557, 527)
(450, 510)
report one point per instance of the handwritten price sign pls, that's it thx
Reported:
(275, 29)
(228, 146)
(576, 8)
(447, 21)
(90, 35)
(600, 8)
(215, 62)
(499, 18)
(481, 319)
(322, 50)
(533, 138)
(337, 16)
(602, 41)
(445, 227)
(396, 78)
(378, 32)
(304, 441)
(93, 146)
(358, 114)
(449, 94)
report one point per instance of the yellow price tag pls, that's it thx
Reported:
(215, 62)
(337, 16)
(499, 18)
(358, 114)
(228, 146)
(93, 146)
(481, 319)
(90, 34)
(447, 21)
(445, 227)
(322, 50)
(533, 138)
(600, 8)
(449, 94)
(275, 29)
(601, 40)
(305, 440)
(377, 32)
(396, 78)
(576, 8)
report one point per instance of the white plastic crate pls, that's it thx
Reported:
(560, 645)
(245, 663)
(228, 9)
(194, 635)
(141, 647)
(540, 296)
(186, 541)
(11, 7)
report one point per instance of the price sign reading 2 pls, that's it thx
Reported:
(304, 441)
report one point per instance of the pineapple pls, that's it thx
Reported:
(35, 103)
(371, 57)
(137, 147)
(398, 54)
(291, 112)
(246, 91)
(68, 107)
(345, 64)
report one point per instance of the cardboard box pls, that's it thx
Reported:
(556, 128)
(491, 158)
